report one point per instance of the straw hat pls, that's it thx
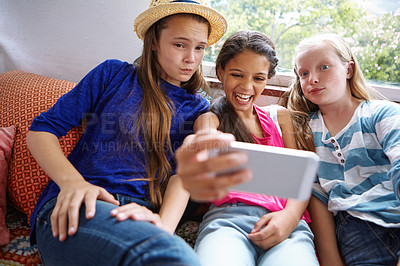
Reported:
(161, 8)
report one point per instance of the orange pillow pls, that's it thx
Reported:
(24, 96)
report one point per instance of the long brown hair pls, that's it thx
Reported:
(300, 106)
(157, 109)
(237, 43)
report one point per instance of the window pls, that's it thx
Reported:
(372, 28)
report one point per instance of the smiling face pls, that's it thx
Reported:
(323, 75)
(244, 77)
(180, 48)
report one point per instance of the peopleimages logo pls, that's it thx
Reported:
(111, 146)
(123, 147)
(114, 123)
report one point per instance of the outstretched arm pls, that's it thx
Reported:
(323, 227)
(206, 123)
(174, 203)
(47, 151)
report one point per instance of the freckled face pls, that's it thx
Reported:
(245, 77)
(323, 75)
(180, 49)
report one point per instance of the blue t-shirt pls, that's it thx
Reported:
(110, 154)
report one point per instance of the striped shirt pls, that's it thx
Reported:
(360, 167)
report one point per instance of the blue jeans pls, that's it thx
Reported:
(366, 243)
(222, 240)
(103, 240)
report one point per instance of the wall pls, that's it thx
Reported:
(66, 39)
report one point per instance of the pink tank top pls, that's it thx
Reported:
(271, 137)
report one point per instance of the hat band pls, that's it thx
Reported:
(185, 1)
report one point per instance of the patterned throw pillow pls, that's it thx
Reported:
(24, 96)
(6, 142)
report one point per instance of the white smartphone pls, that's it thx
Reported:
(281, 172)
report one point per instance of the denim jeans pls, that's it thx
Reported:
(366, 243)
(222, 240)
(103, 240)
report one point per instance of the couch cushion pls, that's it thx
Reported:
(24, 96)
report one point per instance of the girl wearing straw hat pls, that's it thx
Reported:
(115, 200)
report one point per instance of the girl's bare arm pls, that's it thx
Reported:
(323, 227)
(174, 203)
(206, 123)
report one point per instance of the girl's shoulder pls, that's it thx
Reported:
(116, 65)
(274, 109)
(379, 107)
(100, 77)
(280, 113)
(111, 69)
(379, 113)
(112, 66)
(206, 122)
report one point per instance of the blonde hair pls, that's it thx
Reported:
(300, 106)
(157, 109)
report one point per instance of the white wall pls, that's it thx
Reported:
(66, 38)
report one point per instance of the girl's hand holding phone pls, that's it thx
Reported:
(197, 170)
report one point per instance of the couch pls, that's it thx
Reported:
(23, 96)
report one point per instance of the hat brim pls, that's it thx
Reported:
(148, 17)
